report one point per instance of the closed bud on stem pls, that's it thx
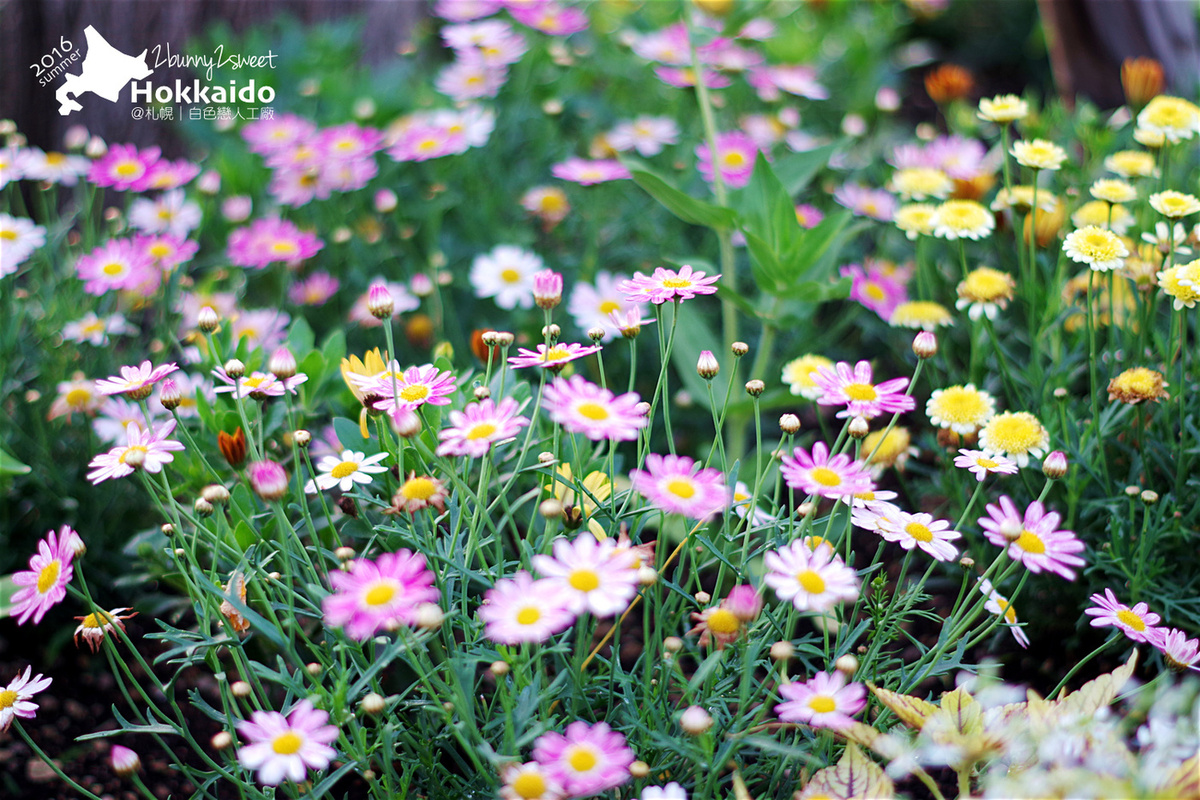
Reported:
(966, 562)
(499, 668)
(169, 395)
(125, 762)
(344, 553)
(859, 428)
(739, 349)
(1055, 465)
(639, 769)
(240, 689)
(221, 741)
(302, 438)
(207, 321)
(268, 479)
(596, 334)
(789, 423)
(755, 388)
(804, 509)
(1060, 393)
(925, 344)
(695, 721)
(546, 458)
(547, 289)
(168, 529)
(707, 366)
(642, 409)
(313, 668)
(482, 393)
(202, 507)
(672, 644)
(551, 331)
(430, 616)
(551, 508)
(379, 301)
(703, 598)
(647, 576)
(95, 147)
(1149, 497)
(1133, 491)
(782, 650)
(373, 704)
(282, 364)
(234, 368)
(386, 201)
(847, 665)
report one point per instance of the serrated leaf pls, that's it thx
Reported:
(854, 776)
(912, 711)
(679, 203)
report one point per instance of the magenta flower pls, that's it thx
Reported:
(813, 580)
(414, 387)
(679, 485)
(549, 18)
(15, 698)
(370, 596)
(583, 407)
(552, 358)
(594, 576)
(257, 385)
(853, 389)
(167, 250)
(267, 240)
(267, 136)
(794, 79)
(143, 450)
(838, 477)
(1137, 623)
(685, 77)
(587, 760)
(909, 530)
(667, 284)
(1180, 652)
(268, 479)
(824, 701)
(864, 202)
(315, 290)
(465, 10)
(117, 265)
(1039, 544)
(45, 582)
(736, 154)
(123, 167)
(520, 609)
(474, 430)
(166, 175)
(547, 289)
(429, 140)
(876, 287)
(286, 748)
(137, 382)
(588, 173)
(980, 464)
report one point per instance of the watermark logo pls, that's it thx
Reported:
(106, 71)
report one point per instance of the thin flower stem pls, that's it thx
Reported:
(50, 762)
(1079, 665)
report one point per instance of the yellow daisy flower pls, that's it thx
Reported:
(915, 219)
(1182, 283)
(1099, 213)
(923, 314)
(892, 450)
(1016, 434)
(1131, 164)
(962, 219)
(984, 292)
(1039, 154)
(1003, 108)
(1137, 385)
(798, 372)
(920, 183)
(962, 409)
(1020, 198)
(1113, 190)
(1175, 118)
(1174, 204)
(1100, 249)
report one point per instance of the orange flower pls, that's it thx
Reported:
(949, 82)
(1142, 80)
(233, 447)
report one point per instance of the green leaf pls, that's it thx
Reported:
(692, 334)
(813, 252)
(818, 291)
(348, 432)
(9, 465)
(764, 264)
(244, 535)
(796, 171)
(682, 205)
(300, 338)
(767, 210)
(7, 590)
(738, 301)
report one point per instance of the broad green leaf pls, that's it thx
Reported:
(811, 252)
(912, 711)
(7, 590)
(855, 775)
(764, 264)
(300, 338)
(9, 465)
(818, 291)
(795, 171)
(679, 203)
(766, 209)
(692, 334)
(739, 302)
(244, 535)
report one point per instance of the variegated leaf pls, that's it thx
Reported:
(912, 711)
(1098, 693)
(1184, 782)
(963, 711)
(854, 776)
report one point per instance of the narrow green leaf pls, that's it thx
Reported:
(679, 203)
(797, 170)
(9, 465)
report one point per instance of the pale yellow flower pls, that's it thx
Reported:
(962, 219)
(1174, 204)
(1175, 118)
(1100, 249)
(923, 314)
(1039, 154)
(1131, 163)
(920, 183)
(1003, 108)
(1103, 215)
(1113, 190)
(915, 219)
(984, 292)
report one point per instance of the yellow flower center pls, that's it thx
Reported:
(811, 582)
(582, 759)
(919, 532)
(860, 391)
(1015, 433)
(48, 576)
(822, 704)
(1131, 619)
(160, 249)
(284, 248)
(343, 469)
(676, 283)
(682, 488)
(959, 404)
(1030, 542)
(97, 619)
(985, 284)
(418, 489)
(414, 392)
(557, 353)
(873, 291)
(734, 159)
(510, 275)
(825, 476)
(113, 268)
(529, 785)
(481, 431)
(137, 447)
(254, 381)
(77, 397)
(528, 615)
(609, 306)
(7, 698)
(55, 159)
(584, 580)
(9, 235)
(723, 621)
(379, 594)
(593, 411)
(127, 169)
(287, 744)
(987, 463)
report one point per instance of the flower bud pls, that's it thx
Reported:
(202, 507)
(344, 553)
(755, 388)
(547, 289)
(282, 364)
(596, 334)
(642, 409)
(421, 285)
(804, 509)
(782, 650)
(379, 301)
(1055, 465)
(925, 344)
(1060, 393)
(302, 438)
(551, 331)
(209, 182)
(430, 616)
(167, 529)
(1149, 497)
(695, 721)
(744, 602)
(672, 644)
(707, 365)
(859, 428)
(551, 508)
(1133, 491)
(739, 349)
(499, 668)
(373, 704)
(169, 395)
(647, 576)
(1142, 80)
(546, 458)
(639, 770)
(313, 668)
(385, 201)
(240, 689)
(847, 665)
(1011, 530)
(221, 741)
(268, 479)
(966, 562)
(789, 423)
(234, 368)
(207, 320)
(95, 147)
(125, 762)
(703, 598)
(481, 393)
(342, 234)
(75, 138)
(404, 421)
(237, 208)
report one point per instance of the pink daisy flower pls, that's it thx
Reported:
(999, 605)
(813, 580)
(415, 386)
(909, 530)
(646, 134)
(588, 760)
(257, 385)
(679, 485)
(118, 264)
(981, 464)
(477, 427)
(428, 141)
(493, 40)
(795, 79)
(590, 575)
(345, 470)
(736, 153)
(267, 240)
(117, 414)
(875, 287)
(553, 358)
(864, 202)
(465, 10)
(268, 479)
(282, 748)
(470, 78)
(528, 781)
(267, 136)
(685, 77)
(592, 306)
(823, 701)
(123, 167)
(583, 407)
(349, 142)
(15, 698)
(1137, 623)
(143, 449)
(667, 284)
(520, 609)
(808, 216)
(588, 173)
(45, 582)
(838, 477)
(167, 175)
(315, 290)
(1180, 652)
(137, 382)
(167, 250)
(370, 596)
(75, 396)
(666, 46)
(550, 18)
(262, 327)
(853, 389)
(1039, 545)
